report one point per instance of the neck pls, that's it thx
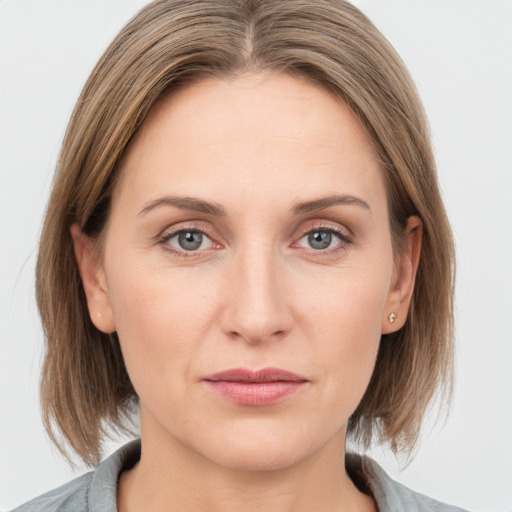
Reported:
(171, 476)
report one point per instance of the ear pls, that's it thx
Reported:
(400, 294)
(93, 280)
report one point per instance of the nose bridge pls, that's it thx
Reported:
(257, 308)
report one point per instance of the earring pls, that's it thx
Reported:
(99, 315)
(392, 317)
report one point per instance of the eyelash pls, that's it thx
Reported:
(163, 240)
(344, 238)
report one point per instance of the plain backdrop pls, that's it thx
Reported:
(460, 55)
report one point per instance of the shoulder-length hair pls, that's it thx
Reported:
(85, 388)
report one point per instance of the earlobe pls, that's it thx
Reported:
(400, 295)
(93, 281)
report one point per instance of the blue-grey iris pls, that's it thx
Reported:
(190, 240)
(320, 239)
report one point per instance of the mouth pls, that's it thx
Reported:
(255, 387)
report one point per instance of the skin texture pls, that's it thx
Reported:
(255, 294)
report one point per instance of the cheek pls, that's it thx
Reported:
(344, 324)
(161, 321)
(347, 304)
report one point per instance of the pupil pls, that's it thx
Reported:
(190, 241)
(320, 239)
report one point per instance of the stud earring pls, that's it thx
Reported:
(98, 315)
(392, 317)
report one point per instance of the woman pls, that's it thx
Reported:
(245, 239)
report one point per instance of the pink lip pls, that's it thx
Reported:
(260, 387)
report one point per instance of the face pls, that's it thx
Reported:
(248, 269)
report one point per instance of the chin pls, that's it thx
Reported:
(260, 458)
(259, 449)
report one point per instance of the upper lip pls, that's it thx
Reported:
(263, 375)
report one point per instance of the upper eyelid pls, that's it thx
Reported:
(321, 226)
(345, 233)
(304, 227)
(171, 231)
(195, 227)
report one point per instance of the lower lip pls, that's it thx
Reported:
(255, 393)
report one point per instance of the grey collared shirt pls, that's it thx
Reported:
(96, 491)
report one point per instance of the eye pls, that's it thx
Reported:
(188, 240)
(323, 239)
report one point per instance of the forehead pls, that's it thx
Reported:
(248, 134)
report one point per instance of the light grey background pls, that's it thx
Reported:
(460, 54)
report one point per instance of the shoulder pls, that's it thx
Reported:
(95, 491)
(390, 495)
(70, 496)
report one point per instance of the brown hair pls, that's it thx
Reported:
(85, 388)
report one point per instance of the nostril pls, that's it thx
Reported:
(255, 338)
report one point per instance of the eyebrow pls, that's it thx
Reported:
(200, 205)
(325, 202)
(185, 203)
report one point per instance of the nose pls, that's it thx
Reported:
(257, 306)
